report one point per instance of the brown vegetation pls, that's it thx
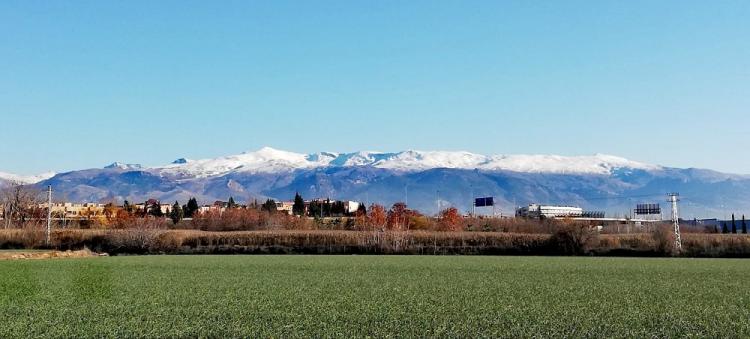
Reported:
(397, 230)
(84, 253)
(569, 239)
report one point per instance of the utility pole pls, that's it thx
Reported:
(473, 202)
(438, 203)
(49, 213)
(673, 198)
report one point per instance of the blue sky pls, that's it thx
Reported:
(86, 83)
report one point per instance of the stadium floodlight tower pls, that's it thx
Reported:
(674, 198)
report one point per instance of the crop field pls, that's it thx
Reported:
(377, 296)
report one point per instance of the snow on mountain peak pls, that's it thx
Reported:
(596, 164)
(270, 160)
(26, 179)
(264, 160)
(418, 160)
(119, 165)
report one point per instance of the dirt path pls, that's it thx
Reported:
(19, 255)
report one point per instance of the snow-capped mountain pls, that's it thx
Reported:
(269, 160)
(265, 160)
(120, 165)
(26, 179)
(596, 182)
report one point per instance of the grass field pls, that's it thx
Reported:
(344, 296)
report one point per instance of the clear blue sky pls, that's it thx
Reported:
(86, 83)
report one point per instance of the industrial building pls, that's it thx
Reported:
(537, 211)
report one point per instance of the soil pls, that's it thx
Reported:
(24, 255)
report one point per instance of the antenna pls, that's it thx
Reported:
(674, 198)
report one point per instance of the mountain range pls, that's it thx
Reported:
(425, 180)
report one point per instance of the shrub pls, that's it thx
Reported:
(664, 239)
(574, 239)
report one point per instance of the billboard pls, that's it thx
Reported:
(593, 214)
(484, 202)
(647, 209)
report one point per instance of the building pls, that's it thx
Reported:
(351, 207)
(165, 208)
(285, 206)
(217, 206)
(538, 211)
(76, 211)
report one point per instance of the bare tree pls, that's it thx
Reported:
(20, 203)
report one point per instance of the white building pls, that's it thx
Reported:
(285, 206)
(549, 211)
(351, 206)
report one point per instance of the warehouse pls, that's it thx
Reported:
(548, 211)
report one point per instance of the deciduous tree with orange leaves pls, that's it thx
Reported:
(377, 216)
(399, 217)
(450, 219)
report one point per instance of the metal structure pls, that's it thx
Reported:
(647, 209)
(437, 195)
(483, 202)
(674, 198)
(593, 214)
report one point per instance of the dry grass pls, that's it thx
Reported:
(25, 255)
(153, 241)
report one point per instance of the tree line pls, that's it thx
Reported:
(725, 229)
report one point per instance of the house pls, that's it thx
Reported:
(217, 206)
(285, 206)
(76, 211)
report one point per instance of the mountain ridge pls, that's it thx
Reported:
(598, 182)
(270, 160)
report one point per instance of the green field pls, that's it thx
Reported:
(344, 296)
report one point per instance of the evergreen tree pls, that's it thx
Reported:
(155, 210)
(362, 209)
(299, 205)
(744, 225)
(127, 207)
(176, 213)
(327, 208)
(192, 207)
(734, 225)
(315, 209)
(338, 209)
(269, 206)
(724, 228)
(231, 203)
